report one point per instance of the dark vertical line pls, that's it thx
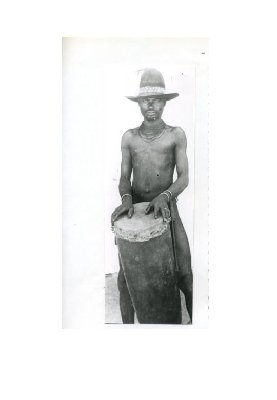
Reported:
(194, 159)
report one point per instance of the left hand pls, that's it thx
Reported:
(159, 204)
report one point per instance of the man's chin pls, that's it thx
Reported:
(151, 117)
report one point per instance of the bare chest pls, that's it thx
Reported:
(160, 150)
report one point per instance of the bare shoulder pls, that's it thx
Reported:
(179, 135)
(128, 137)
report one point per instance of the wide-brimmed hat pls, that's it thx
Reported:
(152, 85)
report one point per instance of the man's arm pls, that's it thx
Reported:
(126, 166)
(125, 180)
(181, 161)
(159, 204)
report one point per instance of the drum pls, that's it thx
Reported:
(146, 254)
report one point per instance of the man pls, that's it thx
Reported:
(151, 152)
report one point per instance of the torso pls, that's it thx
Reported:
(153, 164)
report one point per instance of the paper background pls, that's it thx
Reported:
(235, 357)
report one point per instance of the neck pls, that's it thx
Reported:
(152, 127)
(153, 124)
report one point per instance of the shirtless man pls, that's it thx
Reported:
(151, 152)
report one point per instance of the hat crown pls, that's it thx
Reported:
(152, 84)
(152, 78)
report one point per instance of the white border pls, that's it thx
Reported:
(234, 357)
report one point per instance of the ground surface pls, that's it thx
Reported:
(112, 310)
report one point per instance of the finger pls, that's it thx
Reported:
(117, 209)
(163, 214)
(148, 209)
(117, 214)
(131, 212)
(167, 213)
(156, 212)
(114, 217)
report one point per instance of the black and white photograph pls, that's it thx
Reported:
(152, 137)
(153, 247)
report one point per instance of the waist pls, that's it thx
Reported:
(138, 198)
(147, 195)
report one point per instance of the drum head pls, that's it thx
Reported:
(141, 227)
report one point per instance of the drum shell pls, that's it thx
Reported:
(149, 271)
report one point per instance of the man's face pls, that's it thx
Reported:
(151, 107)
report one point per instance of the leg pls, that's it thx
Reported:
(185, 277)
(126, 306)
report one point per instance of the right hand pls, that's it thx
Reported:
(125, 207)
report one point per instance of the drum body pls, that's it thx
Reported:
(145, 250)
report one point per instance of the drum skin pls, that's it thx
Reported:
(149, 271)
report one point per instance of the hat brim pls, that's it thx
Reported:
(165, 96)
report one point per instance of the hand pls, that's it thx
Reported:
(159, 204)
(125, 207)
